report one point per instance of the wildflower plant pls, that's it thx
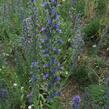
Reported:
(42, 51)
(77, 42)
(51, 50)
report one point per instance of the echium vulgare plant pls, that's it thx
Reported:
(26, 57)
(77, 42)
(51, 48)
(45, 65)
(29, 31)
(23, 55)
(31, 49)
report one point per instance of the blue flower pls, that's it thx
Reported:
(45, 4)
(32, 0)
(53, 60)
(42, 29)
(57, 78)
(34, 64)
(56, 50)
(53, 1)
(77, 99)
(76, 102)
(46, 75)
(3, 93)
(54, 70)
(50, 22)
(57, 17)
(56, 26)
(47, 65)
(53, 12)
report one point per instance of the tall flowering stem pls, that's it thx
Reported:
(31, 51)
(50, 47)
(35, 72)
(77, 42)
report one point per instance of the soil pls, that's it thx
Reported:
(69, 91)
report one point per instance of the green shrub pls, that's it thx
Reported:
(81, 76)
(96, 93)
(91, 29)
(101, 7)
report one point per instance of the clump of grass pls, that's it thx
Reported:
(91, 30)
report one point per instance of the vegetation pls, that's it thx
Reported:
(54, 54)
